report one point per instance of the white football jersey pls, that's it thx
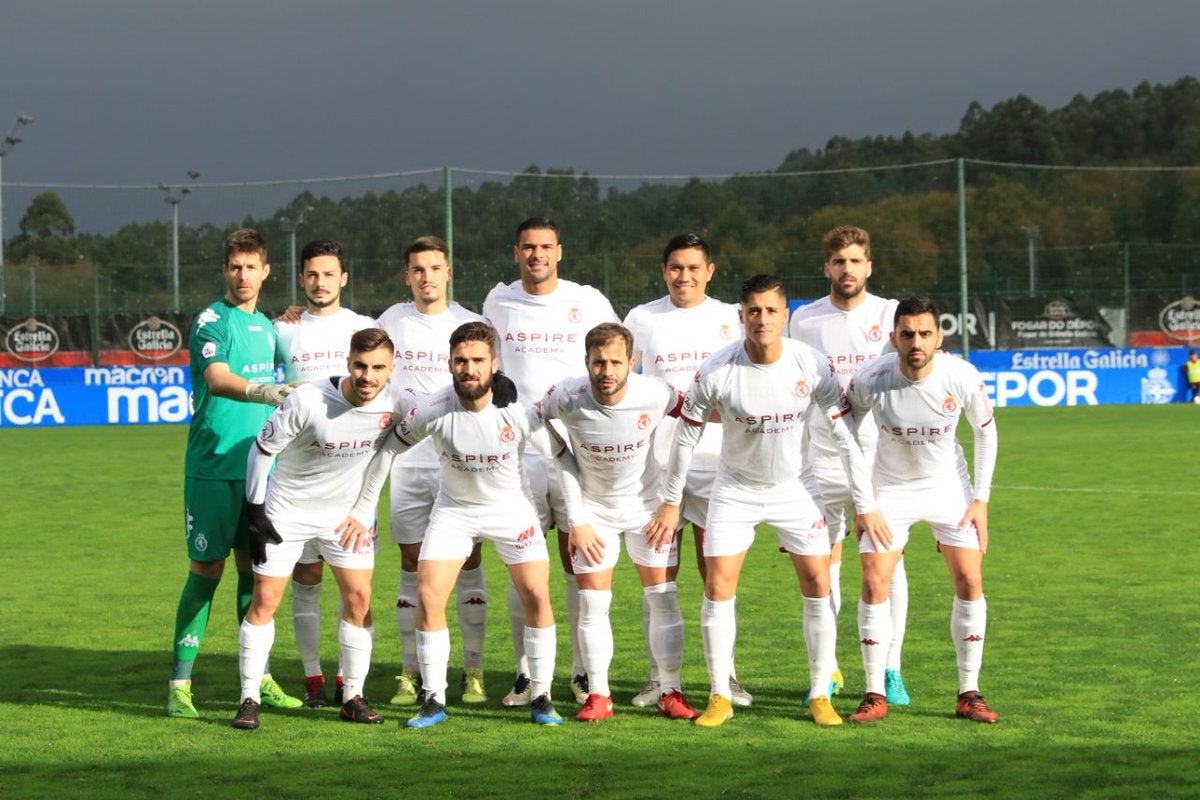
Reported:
(916, 422)
(322, 446)
(763, 409)
(613, 444)
(541, 336)
(850, 339)
(317, 347)
(422, 360)
(479, 450)
(671, 343)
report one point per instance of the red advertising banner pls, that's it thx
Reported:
(45, 342)
(144, 339)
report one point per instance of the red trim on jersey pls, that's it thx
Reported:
(677, 410)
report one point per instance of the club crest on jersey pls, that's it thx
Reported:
(726, 334)
(875, 334)
(802, 389)
(643, 421)
(574, 316)
(949, 405)
(385, 421)
(507, 435)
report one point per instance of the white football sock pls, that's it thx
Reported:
(646, 637)
(820, 639)
(471, 597)
(356, 644)
(516, 621)
(718, 624)
(968, 624)
(595, 637)
(433, 654)
(666, 634)
(539, 647)
(406, 619)
(254, 647)
(306, 617)
(898, 597)
(573, 619)
(874, 634)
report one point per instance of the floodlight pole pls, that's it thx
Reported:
(1033, 233)
(291, 226)
(175, 195)
(10, 141)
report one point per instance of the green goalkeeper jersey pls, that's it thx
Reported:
(222, 429)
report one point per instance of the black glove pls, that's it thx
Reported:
(262, 530)
(504, 391)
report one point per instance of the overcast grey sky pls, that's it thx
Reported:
(140, 91)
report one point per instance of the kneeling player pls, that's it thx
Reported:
(320, 441)
(610, 416)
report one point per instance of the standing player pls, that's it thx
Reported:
(541, 321)
(764, 388)
(482, 495)
(671, 337)
(610, 416)
(917, 396)
(320, 443)
(852, 327)
(233, 371)
(313, 347)
(422, 328)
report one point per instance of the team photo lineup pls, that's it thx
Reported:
(547, 412)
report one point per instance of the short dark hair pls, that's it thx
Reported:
(912, 306)
(843, 236)
(538, 224)
(322, 247)
(426, 244)
(474, 332)
(369, 339)
(245, 240)
(686, 241)
(761, 283)
(606, 332)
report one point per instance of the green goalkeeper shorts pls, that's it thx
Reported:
(212, 518)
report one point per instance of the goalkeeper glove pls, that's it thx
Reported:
(504, 391)
(270, 393)
(262, 531)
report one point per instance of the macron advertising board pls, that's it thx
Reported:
(127, 395)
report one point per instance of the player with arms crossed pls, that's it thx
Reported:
(233, 373)
(851, 326)
(671, 337)
(611, 416)
(764, 387)
(422, 328)
(311, 346)
(920, 474)
(541, 321)
(320, 443)
(483, 495)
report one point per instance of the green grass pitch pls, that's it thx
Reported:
(1092, 656)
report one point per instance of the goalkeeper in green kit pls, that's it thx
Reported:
(232, 354)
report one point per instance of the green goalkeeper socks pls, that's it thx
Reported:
(191, 620)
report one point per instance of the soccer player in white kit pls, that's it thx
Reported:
(611, 416)
(313, 347)
(542, 320)
(483, 494)
(920, 474)
(671, 337)
(765, 387)
(851, 326)
(319, 442)
(422, 328)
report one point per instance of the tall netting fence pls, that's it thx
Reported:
(1122, 243)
